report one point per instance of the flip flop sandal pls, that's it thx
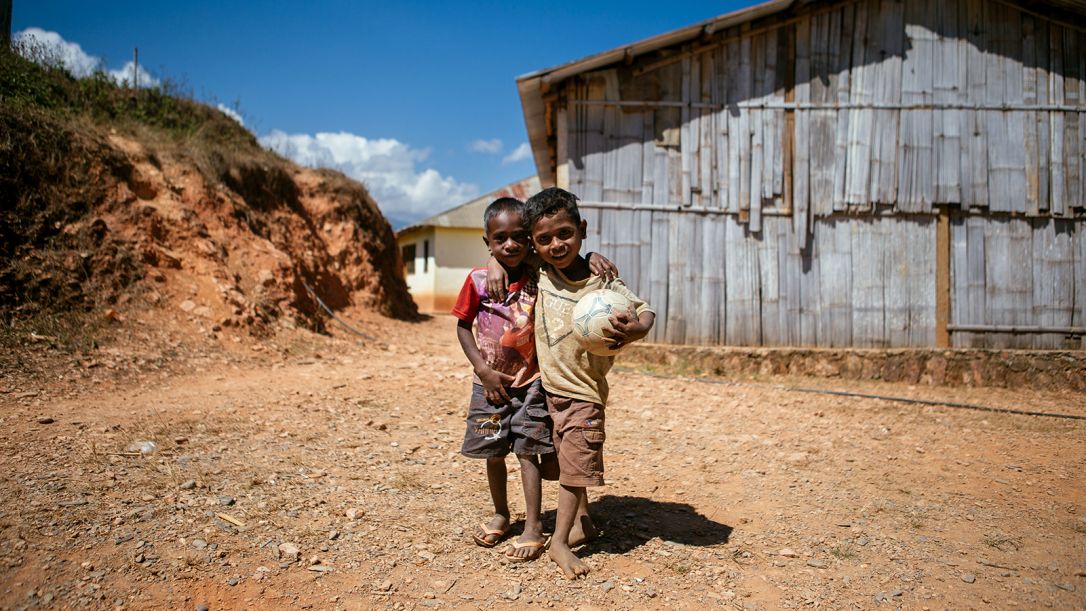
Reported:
(482, 542)
(537, 550)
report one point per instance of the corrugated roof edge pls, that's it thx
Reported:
(533, 85)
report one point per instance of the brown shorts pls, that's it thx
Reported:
(578, 439)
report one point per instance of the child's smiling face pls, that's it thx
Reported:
(507, 238)
(557, 238)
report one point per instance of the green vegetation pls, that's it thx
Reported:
(27, 85)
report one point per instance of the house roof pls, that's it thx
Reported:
(469, 215)
(535, 85)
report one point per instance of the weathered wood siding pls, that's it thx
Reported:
(777, 183)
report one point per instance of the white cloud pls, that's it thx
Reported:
(520, 153)
(492, 147)
(50, 49)
(388, 168)
(230, 112)
(125, 76)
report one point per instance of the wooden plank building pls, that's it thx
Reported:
(867, 173)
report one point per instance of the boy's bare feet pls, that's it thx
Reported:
(572, 566)
(489, 534)
(583, 531)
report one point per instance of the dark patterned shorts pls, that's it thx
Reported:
(522, 427)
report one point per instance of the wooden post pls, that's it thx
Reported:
(561, 178)
(5, 24)
(942, 278)
(135, 68)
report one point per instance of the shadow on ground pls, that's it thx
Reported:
(629, 522)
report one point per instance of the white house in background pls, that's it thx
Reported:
(438, 252)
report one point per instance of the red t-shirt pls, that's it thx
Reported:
(504, 331)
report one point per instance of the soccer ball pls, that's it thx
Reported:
(590, 319)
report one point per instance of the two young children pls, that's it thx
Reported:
(537, 391)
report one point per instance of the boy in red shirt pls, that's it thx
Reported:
(507, 411)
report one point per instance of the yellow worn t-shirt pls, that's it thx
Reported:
(567, 369)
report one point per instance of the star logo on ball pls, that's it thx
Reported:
(598, 307)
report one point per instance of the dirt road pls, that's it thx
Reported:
(720, 495)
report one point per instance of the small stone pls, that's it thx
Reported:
(332, 536)
(289, 552)
(233, 581)
(968, 577)
(202, 607)
(45, 420)
(862, 541)
(354, 514)
(226, 500)
(607, 586)
(1070, 587)
(427, 555)
(188, 484)
(787, 553)
(385, 586)
(816, 563)
(199, 543)
(314, 560)
(187, 305)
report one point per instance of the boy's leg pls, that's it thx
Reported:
(487, 436)
(496, 475)
(569, 497)
(532, 481)
(584, 529)
(531, 431)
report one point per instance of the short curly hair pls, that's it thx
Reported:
(500, 205)
(549, 202)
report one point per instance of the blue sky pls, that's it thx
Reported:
(417, 99)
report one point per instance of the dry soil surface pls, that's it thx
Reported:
(323, 472)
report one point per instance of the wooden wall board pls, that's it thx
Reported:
(887, 28)
(711, 272)
(678, 263)
(919, 235)
(1008, 283)
(1057, 184)
(1054, 282)
(659, 277)
(974, 145)
(790, 270)
(868, 248)
(917, 175)
(861, 117)
(843, 43)
(801, 172)
(948, 86)
(771, 306)
(742, 325)
(832, 248)
(1073, 95)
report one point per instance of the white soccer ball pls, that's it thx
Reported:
(590, 319)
